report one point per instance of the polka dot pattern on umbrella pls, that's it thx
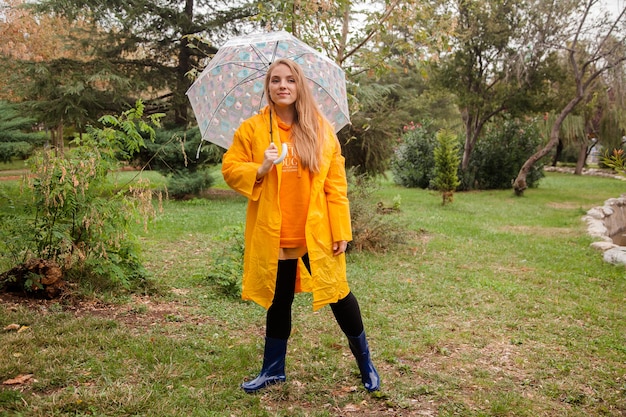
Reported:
(230, 88)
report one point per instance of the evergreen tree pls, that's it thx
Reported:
(17, 137)
(446, 165)
(153, 45)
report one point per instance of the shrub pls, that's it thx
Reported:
(615, 161)
(184, 184)
(76, 217)
(173, 154)
(17, 138)
(15, 150)
(413, 163)
(226, 269)
(500, 154)
(371, 230)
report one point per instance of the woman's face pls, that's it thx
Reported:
(282, 86)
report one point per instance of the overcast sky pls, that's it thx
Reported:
(614, 6)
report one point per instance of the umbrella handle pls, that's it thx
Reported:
(282, 155)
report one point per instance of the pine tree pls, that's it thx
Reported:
(17, 138)
(146, 49)
(447, 162)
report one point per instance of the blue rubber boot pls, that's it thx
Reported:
(361, 352)
(273, 370)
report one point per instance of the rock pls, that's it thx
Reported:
(616, 255)
(608, 223)
(596, 213)
(603, 246)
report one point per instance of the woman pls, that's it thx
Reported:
(297, 221)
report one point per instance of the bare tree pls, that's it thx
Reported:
(594, 47)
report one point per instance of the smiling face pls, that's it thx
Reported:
(283, 89)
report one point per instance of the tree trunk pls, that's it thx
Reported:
(180, 102)
(582, 158)
(34, 277)
(473, 127)
(469, 143)
(60, 142)
(520, 184)
(557, 155)
(56, 140)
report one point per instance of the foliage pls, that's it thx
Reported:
(371, 230)
(64, 93)
(17, 137)
(592, 49)
(226, 269)
(28, 38)
(413, 164)
(367, 142)
(612, 129)
(385, 104)
(80, 219)
(173, 154)
(447, 161)
(151, 44)
(175, 149)
(501, 61)
(497, 157)
(360, 39)
(500, 154)
(187, 184)
(615, 161)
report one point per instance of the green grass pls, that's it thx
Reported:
(7, 167)
(499, 307)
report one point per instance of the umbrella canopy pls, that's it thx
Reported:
(231, 87)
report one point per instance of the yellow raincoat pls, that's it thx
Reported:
(328, 219)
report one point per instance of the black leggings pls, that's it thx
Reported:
(278, 321)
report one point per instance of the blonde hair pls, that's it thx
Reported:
(306, 127)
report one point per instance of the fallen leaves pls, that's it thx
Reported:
(20, 380)
(14, 326)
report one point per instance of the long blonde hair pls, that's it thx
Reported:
(305, 130)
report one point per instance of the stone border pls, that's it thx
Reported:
(604, 222)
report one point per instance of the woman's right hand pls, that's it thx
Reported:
(269, 156)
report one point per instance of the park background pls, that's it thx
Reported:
(492, 304)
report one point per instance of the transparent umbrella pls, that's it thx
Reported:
(230, 88)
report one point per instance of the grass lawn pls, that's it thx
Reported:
(496, 307)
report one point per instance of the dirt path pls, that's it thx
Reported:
(12, 174)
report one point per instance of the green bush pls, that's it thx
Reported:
(413, 164)
(500, 153)
(615, 161)
(372, 231)
(494, 163)
(73, 215)
(15, 150)
(226, 269)
(173, 154)
(17, 138)
(183, 184)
